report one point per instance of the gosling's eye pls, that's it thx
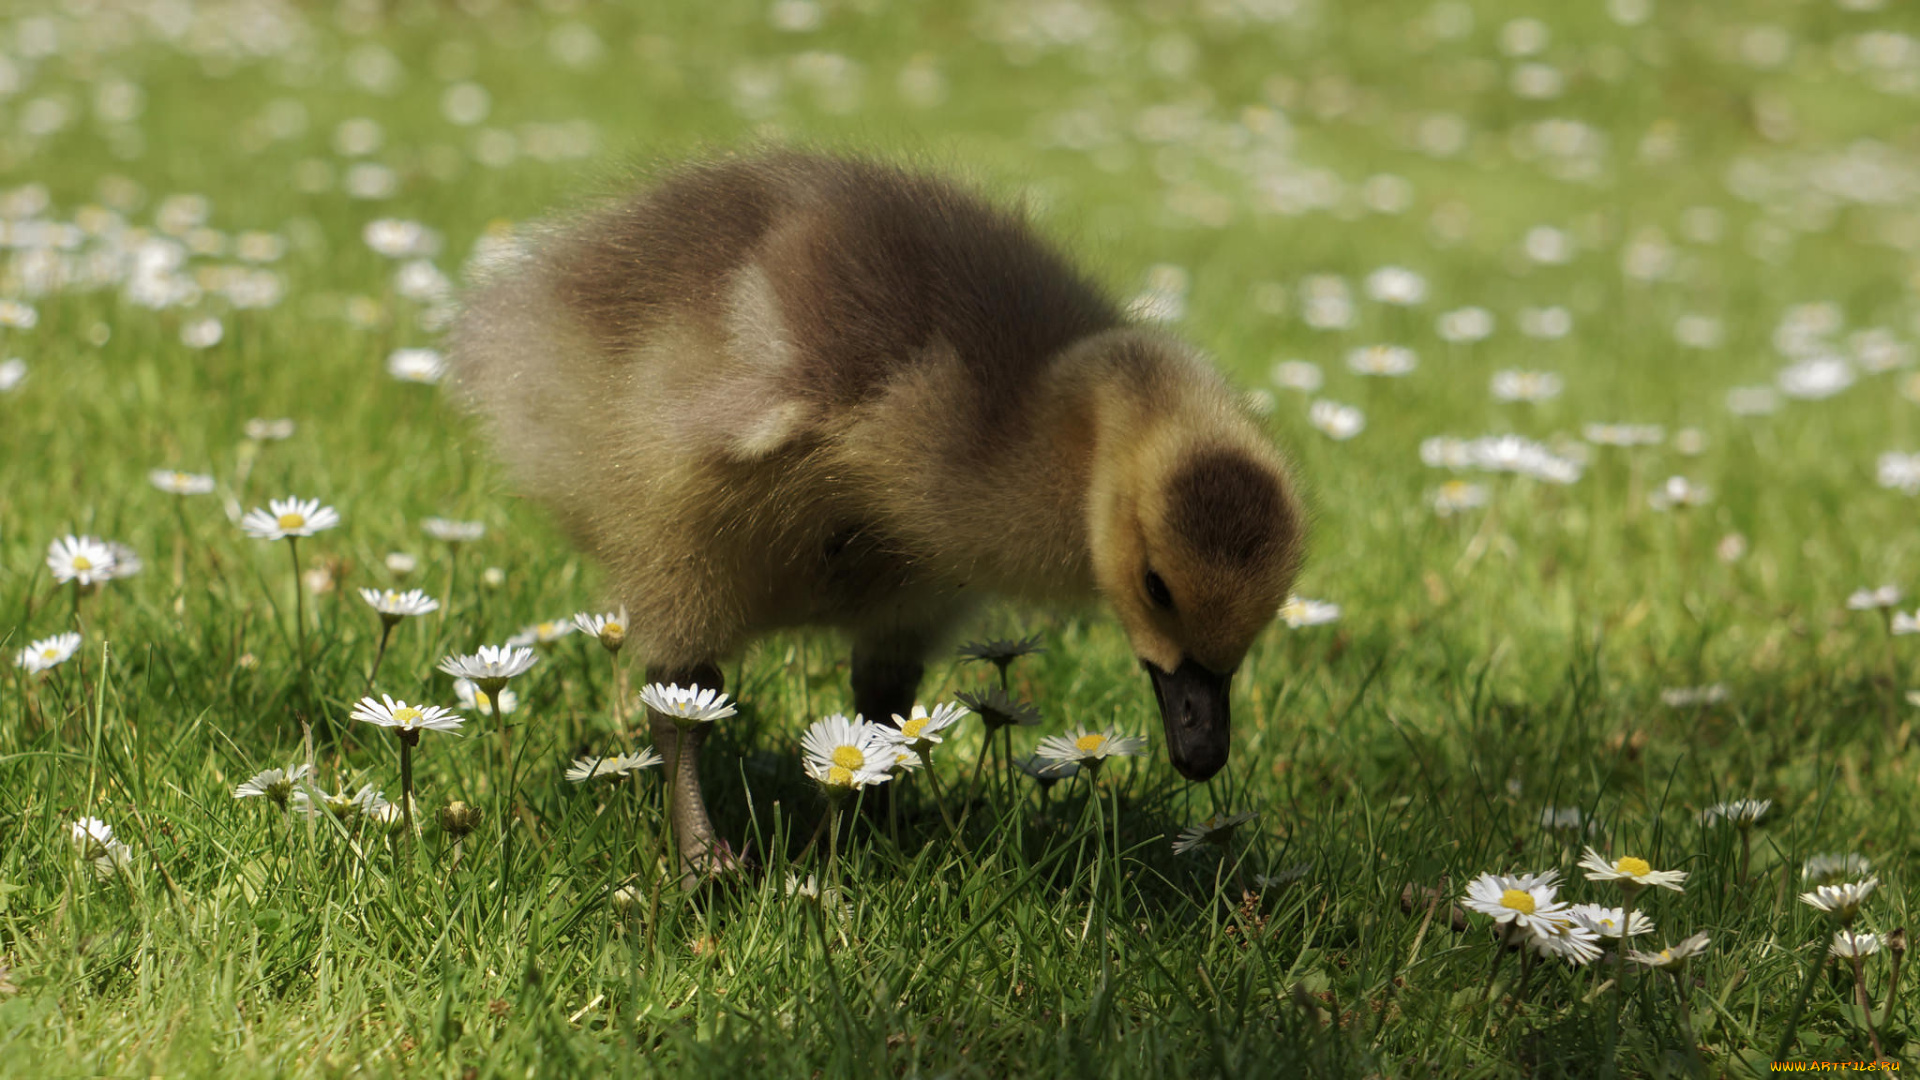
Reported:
(1158, 592)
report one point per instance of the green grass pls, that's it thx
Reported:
(1486, 666)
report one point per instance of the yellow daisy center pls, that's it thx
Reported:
(1089, 744)
(1517, 899)
(1666, 955)
(81, 562)
(405, 717)
(49, 653)
(1633, 867)
(179, 479)
(912, 728)
(291, 521)
(848, 757)
(481, 700)
(839, 777)
(613, 628)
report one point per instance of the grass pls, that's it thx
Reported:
(1487, 666)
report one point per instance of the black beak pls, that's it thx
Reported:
(1194, 710)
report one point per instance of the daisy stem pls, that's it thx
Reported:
(973, 788)
(1799, 1006)
(500, 795)
(299, 604)
(386, 631)
(1680, 989)
(1746, 851)
(180, 545)
(1893, 988)
(406, 793)
(1866, 1007)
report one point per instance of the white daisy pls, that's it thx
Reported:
(90, 837)
(1841, 902)
(1851, 946)
(269, 430)
(611, 628)
(1624, 434)
(844, 755)
(1047, 772)
(1298, 613)
(1336, 421)
(1216, 830)
(1679, 492)
(343, 805)
(1090, 749)
(114, 860)
(1632, 872)
(1673, 957)
(1740, 813)
(1884, 597)
(474, 699)
(285, 518)
(1512, 385)
(1682, 697)
(394, 606)
(686, 707)
(1396, 285)
(84, 560)
(275, 785)
(542, 633)
(454, 532)
(174, 482)
(425, 366)
(1296, 375)
(1389, 361)
(1458, 496)
(1525, 901)
(1569, 939)
(619, 765)
(1465, 325)
(920, 732)
(491, 666)
(1607, 921)
(407, 721)
(48, 653)
(13, 372)
(1829, 868)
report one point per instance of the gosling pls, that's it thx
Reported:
(791, 389)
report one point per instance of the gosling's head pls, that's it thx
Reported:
(1195, 531)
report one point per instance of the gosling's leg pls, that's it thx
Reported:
(701, 852)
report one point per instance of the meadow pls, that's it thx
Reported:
(1591, 330)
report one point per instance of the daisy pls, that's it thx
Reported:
(424, 366)
(1216, 830)
(1673, 957)
(1298, 613)
(454, 532)
(1852, 946)
(83, 560)
(1296, 375)
(1841, 902)
(845, 755)
(542, 633)
(610, 628)
(1568, 939)
(1526, 901)
(1090, 749)
(1606, 921)
(174, 482)
(1827, 869)
(1283, 877)
(1903, 624)
(491, 666)
(269, 430)
(1002, 652)
(1564, 817)
(1511, 385)
(689, 707)
(289, 518)
(48, 653)
(474, 699)
(90, 837)
(1336, 421)
(13, 372)
(114, 860)
(1048, 773)
(1679, 492)
(920, 731)
(1882, 598)
(615, 767)
(394, 606)
(275, 785)
(1396, 285)
(1389, 361)
(1465, 325)
(1457, 496)
(1681, 697)
(400, 564)
(342, 806)
(1740, 813)
(997, 709)
(1624, 434)
(1633, 873)
(407, 721)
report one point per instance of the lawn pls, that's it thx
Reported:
(1591, 330)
